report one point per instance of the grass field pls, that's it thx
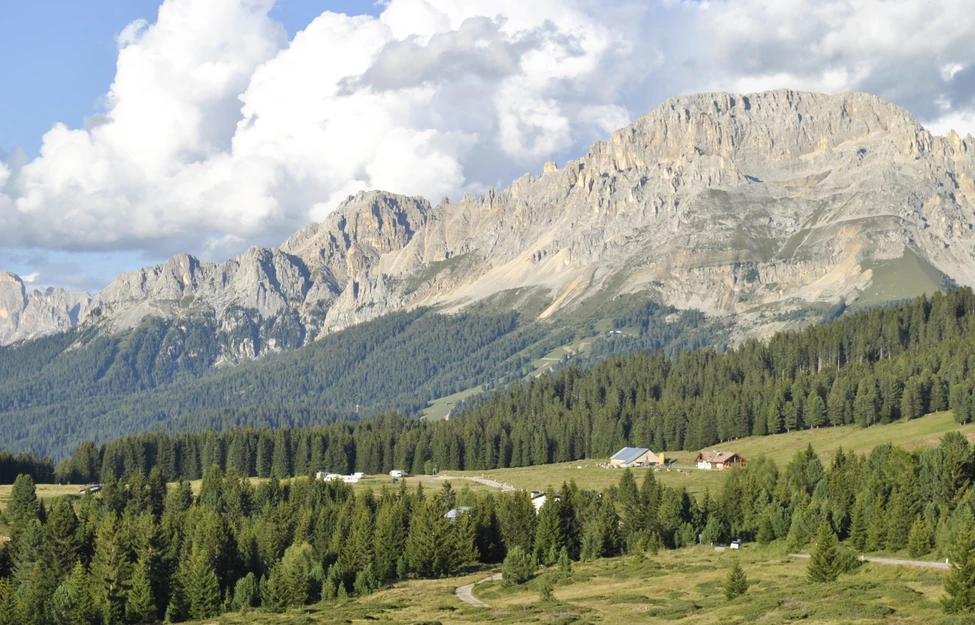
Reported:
(926, 431)
(683, 586)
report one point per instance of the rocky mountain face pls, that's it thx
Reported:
(751, 206)
(28, 314)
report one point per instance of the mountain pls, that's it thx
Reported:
(26, 315)
(748, 206)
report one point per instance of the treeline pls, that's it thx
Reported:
(140, 551)
(869, 368)
(40, 469)
(58, 391)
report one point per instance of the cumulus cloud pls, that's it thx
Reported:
(218, 132)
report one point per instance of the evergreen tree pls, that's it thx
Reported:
(23, 504)
(736, 583)
(80, 608)
(61, 541)
(518, 566)
(859, 528)
(960, 579)
(823, 562)
(959, 402)
(140, 606)
(389, 539)
(815, 410)
(276, 594)
(202, 587)
(918, 542)
(549, 534)
(246, 593)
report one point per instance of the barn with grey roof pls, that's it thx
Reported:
(634, 457)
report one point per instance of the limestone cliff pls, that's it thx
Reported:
(737, 205)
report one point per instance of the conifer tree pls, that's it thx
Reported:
(549, 534)
(823, 565)
(202, 587)
(859, 528)
(518, 566)
(140, 606)
(8, 603)
(918, 542)
(815, 410)
(389, 539)
(276, 594)
(960, 579)
(111, 569)
(736, 583)
(959, 401)
(61, 540)
(23, 504)
(246, 593)
(81, 608)
(518, 520)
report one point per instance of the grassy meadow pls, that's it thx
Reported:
(683, 586)
(924, 432)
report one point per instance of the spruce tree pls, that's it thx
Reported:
(389, 539)
(202, 587)
(8, 603)
(815, 408)
(23, 504)
(918, 542)
(736, 583)
(61, 541)
(246, 593)
(549, 534)
(959, 400)
(823, 565)
(140, 606)
(276, 594)
(859, 528)
(960, 579)
(518, 566)
(81, 609)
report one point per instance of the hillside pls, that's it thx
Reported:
(869, 369)
(60, 390)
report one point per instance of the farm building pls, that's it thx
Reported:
(719, 460)
(635, 457)
(453, 514)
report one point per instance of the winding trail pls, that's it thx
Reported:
(480, 480)
(466, 593)
(918, 563)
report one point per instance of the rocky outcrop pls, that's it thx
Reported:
(28, 314)
(732, 204)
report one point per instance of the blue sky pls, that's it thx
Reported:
(64, 54)
(212, 125)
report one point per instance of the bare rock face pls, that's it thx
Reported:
(26, 315)
(731, 204)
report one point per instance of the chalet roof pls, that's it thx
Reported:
(716, 457)
(629, 454)
(453, 514)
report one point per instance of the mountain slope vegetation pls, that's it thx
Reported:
(869, 368)
(59, 390)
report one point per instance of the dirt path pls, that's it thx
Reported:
(920, 563)
(480, 480)
(466, 593)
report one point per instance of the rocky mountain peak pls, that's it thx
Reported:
(753, 206)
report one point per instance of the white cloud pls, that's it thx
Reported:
(30, 277)
(219, 133)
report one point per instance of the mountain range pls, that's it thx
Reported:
(761, 211)
(723, 203)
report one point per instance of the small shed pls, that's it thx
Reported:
(719, 460)
(634, 457)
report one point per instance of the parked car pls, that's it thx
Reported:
(736, 544)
